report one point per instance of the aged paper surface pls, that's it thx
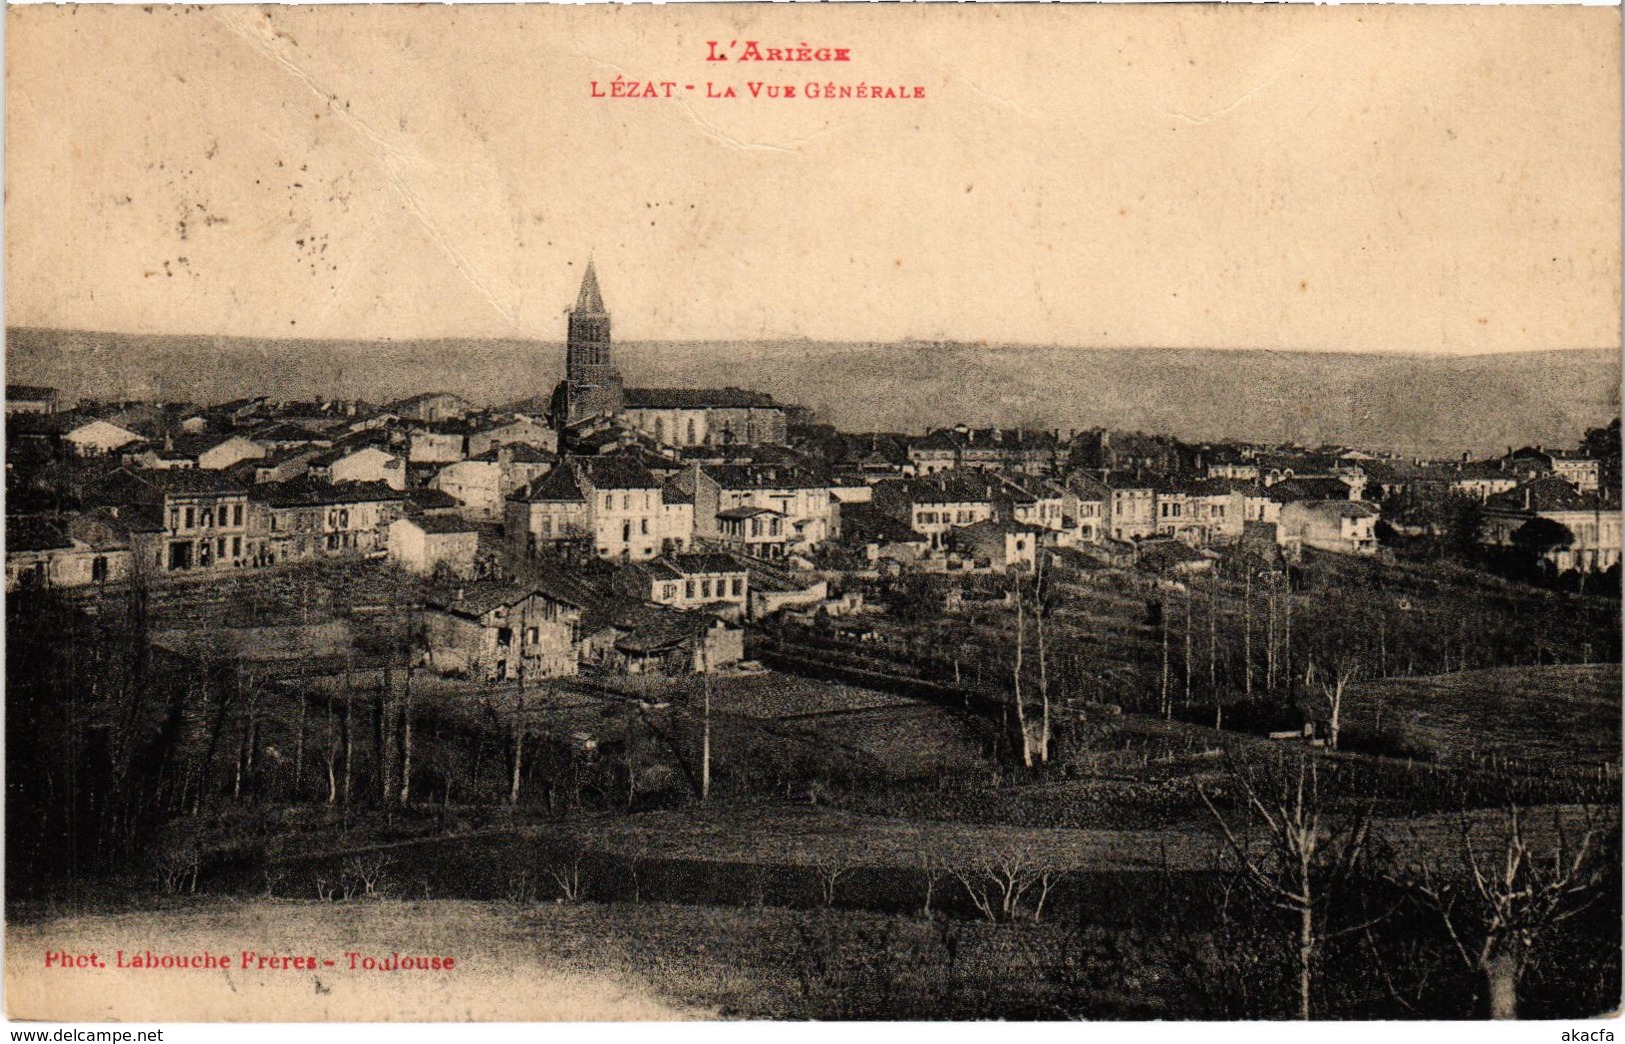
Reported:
(1062, 401)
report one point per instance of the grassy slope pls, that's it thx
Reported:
(1564, 715)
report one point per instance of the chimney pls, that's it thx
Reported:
(1528, 498)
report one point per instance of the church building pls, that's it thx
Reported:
(677, 417)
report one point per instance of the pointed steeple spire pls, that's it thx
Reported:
(589, 300)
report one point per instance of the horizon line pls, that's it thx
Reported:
(795, 338)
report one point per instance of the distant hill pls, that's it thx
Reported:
(1417, 404)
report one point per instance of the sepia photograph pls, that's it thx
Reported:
(812, 512)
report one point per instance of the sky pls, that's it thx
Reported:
(1432, 180)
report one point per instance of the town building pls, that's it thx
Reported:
(201, 516)
(999, 544)
(67, 551)
(496, 631)
(1345, 526)
(31, 398)
(993, 449)
(94, 437)
(431, 408)
(608, 506)
(715, 582)
(307, 518)
(767, 510)
(516, 431)
(1593, 526)
(359, 462)
(481, 484)
(214, 452)
(933, 506)
(1133, 507)
(430, 544)
(442, 444)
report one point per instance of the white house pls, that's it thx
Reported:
(425, 544)
(366, 464)
(95, 438)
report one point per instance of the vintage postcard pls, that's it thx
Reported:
(811, 512)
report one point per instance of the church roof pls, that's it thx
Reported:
(697, 399)
(589, 299)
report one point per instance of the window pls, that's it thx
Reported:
(206, 519)
(738, 587)
(626, 502)
(668, 591)
(532, 635)
(237, 515)
(644, 527)
(688, 589)
(190, 518)
(609, 501)
(705, 589)
(98, 569)
(222, 547)
(236, 546)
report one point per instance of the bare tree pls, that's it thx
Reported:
(1011, 883)
(520, 732)
(1502, 900)
(406, 739)
(637, 859)
(566, 873)
(1040, 618)
(1247, 629)
(1020, 700)
(705, 733)
(830, 871)
(1335, 685)
(933, 869)
(1162, 619)
(1189, 584)
(1302, 857)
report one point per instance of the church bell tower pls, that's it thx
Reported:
(592, 384)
